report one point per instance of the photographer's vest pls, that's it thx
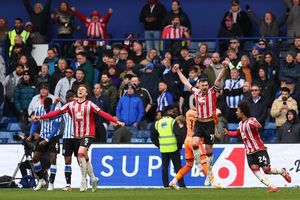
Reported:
(167, 140)
(12, 34)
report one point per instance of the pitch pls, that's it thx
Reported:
(153, 194)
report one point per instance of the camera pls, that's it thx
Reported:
(28, 146)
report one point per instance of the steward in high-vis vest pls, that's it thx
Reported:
(18, 30)
(168, 142)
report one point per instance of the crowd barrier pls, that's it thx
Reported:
(139, 166)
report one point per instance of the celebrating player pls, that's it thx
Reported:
(256, 151)
(82, 112)
(206, 101)
(188, 145)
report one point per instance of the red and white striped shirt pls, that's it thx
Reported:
(171, 32)
(205, 105)
(95, 29)
(250, 135)
(82, 116)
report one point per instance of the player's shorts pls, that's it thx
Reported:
(71, 146)
(86, 142)
(52, 146)
(205, 130)
(260, 158)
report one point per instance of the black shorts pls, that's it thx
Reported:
(260, 158)
(86, 142)
(70, 146)
(52, 146)
(205, 130)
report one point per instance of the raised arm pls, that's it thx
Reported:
(28, 7)
(182, 78)
(220, 76)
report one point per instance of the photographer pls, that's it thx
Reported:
(46, 141)
(281, 105)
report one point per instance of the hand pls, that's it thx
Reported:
(120, 123)
(85, 43)
(135, 125)
(176, 67)
(225, 131)
(36, 118)
(56, 100)
(225, 63)
(110, 10)
(42, 143)
(73, 9)
(29, 139)
(247, 7)
(284, 107)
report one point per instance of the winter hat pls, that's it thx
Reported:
(28, 24)
(235, 2)
(229, 18)
(95, 13)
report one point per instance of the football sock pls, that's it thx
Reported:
(82, 162)
(52, 173)
(204, 164)
(90, 170)
(276, 170)
(68, 174)
(38, 170)
(197, 155)
(263, 178)
(183, 171)
(209, 161)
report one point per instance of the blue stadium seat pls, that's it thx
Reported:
(137, 140)
(148, 141)
(108, 140)
(13, 127)
(232, 126)
(143, 134)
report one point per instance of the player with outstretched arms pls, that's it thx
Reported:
(82, 112)
(256, 151)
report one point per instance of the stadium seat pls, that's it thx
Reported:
(137, 140)
(13, 127)
(148, 141)
(143, 134)
(232, 126)
(108, 140)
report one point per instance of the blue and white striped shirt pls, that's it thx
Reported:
(68, 129)
(49, 128)
(165, 99)
(233, 101)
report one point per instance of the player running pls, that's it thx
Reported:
(188, 146)
(82, 112)
(206, 103)
(256, 151)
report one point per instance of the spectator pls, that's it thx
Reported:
(235, 45)
(229, 30)
(240, 18)
(22, 96)
(60, 73)
(124, 84)
(269, 26)
(2, 69)
(152, 57)
(38, 99)
(177, 10)
(186, 60)
(104, 104)
(246, 90)
(270, 62)
(109, 91)
(281, 105)
(64, 85)
(29, 65)
(96, 26)
(293, 22)
(114, 76)
(176, 31)
(143, 93)
(202, 54)
(289, 132)
(80, 74)
(213, 70)
(233, 92)
(152, 15)
(3, 30)
(10, 82)
(258, 105)
(296, 47)
(18, 49)
(131, 111)
(87, 67)
(137, 55)
(165, 98)
(289, 71)
(18, 30)
(233, 59)
(51, 60)
(129, 68)
(123, 56)
(245, 69)
(44, 78)
(39, 16)
(267, 86)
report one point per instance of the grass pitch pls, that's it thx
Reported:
(152, 194)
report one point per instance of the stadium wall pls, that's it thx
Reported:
(127, 166)
(205, 15)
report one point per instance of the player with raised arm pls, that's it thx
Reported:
(256, 151)
(206, 104)
(188, 146)
(82, 112)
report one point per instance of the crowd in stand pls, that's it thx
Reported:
(135, 81)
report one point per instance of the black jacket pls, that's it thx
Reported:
(159, 12)
(184, 19)
(289, 132)
(258, 109)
